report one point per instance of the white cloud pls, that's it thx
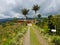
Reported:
(51, 7)
(12, 8)
(17, 15)
(3, 16)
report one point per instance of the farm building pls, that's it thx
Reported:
(27, 21)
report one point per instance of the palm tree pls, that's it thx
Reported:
(25, 12)
(35, 8)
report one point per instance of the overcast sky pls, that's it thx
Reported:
(12, 8)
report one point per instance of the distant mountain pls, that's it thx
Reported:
(5, 20)
(9, 19)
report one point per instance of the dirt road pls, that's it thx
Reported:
(27, 37)
(40, 38)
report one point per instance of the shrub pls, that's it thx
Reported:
(56, 40)
(53, 39)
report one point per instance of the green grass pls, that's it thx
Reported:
(33, 38)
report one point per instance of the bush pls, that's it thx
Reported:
(53, 39)
(56, 41)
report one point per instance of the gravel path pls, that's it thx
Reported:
(27, 37)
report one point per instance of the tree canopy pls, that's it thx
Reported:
(36, 8)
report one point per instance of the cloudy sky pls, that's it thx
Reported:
(12, 8)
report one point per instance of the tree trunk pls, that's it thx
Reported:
(25, 20)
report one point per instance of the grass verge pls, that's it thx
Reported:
(33, 38)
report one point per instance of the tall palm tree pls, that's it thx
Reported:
(25, 12)
(35, 8)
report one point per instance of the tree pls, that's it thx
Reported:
(50, 22)
(38, 23)
(50, 17)
(36, 8)
(57, 22)
(25, 12)
(39, 16)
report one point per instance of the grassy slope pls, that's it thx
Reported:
(33, 38)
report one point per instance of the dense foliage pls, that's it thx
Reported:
(46, 24)
(57, 18)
